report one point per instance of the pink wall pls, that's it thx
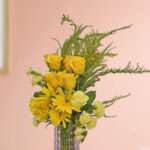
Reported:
(32, 24)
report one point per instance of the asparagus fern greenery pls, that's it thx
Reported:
(64, 98)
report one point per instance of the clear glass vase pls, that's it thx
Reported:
(64, 139)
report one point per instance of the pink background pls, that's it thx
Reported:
(32, 24)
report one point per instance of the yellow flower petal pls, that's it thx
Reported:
(56, 118)
(39, 107)
(53, 61)
(75, 64)
(79, 99)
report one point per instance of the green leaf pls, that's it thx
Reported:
(85, 135)
(91, 95)
(89, 107)
(38, 94)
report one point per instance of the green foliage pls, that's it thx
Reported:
(89, 107)
(38, 94)
(110, 102)
(33, 72)
(91, 48)
(128, 69)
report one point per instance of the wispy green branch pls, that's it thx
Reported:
(129, 69)
(110, 102)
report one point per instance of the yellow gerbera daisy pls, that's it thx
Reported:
(63, 106)
(57, 118)
(62, 103)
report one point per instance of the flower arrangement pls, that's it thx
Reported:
(65, 98)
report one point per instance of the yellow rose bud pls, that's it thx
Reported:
(36, 76)
(53, 61)
(99, 109)
(39, 107)
(75, 64)
(84, 118)
(79, 99)
(92, 123)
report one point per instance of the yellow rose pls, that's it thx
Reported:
(39, 107)
(62, 79)
(79, 99)
(53, 61)
(69, 81)
(51, 79)
(66, 80)
(75, 64)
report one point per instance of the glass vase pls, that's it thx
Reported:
(64, 139)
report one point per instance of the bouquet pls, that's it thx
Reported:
(65, 99)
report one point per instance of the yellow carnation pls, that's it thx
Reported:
(79, 99)
(99, 109)
(84, 118)
(79, 131)
(53, 61)
(39, 107)
(75, 64)
(92, 123)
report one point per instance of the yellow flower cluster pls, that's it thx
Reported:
(60, 79)
(57, 99)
